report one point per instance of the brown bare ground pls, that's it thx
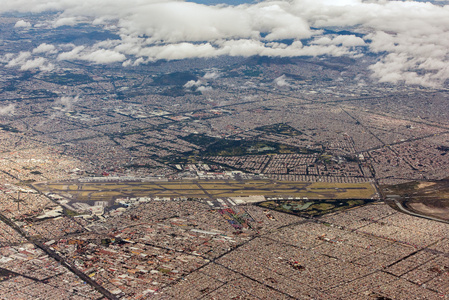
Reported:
(438, 212)
(425, 184)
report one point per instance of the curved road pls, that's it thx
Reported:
(402, 208)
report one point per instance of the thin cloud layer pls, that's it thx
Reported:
(411, 37)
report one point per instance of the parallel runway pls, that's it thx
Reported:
(212, 189)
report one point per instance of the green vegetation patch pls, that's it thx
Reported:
(227, 147)
(178, 91)
(176, 78)
(74, 37)
(68, 78)
(280, 128)
(164, 270)
(8, 128)
(70, 213)
(200, 139)
(308, 208)
(252, 72)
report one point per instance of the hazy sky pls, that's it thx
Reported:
(230, 2)
(413, 37)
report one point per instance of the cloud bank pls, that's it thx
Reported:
(411, 37)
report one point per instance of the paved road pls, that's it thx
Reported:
(402, 208)
(60, 259)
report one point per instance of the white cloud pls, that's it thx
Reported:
(281, 81)
(103, 56)
(211, 75)
(25, 61)
(7, 110)
(204, 89)
(343, 40)
(44, 48)
(198, 86)
(22, 24)
(192, 83)
(38, 63)
(19, 59)
(69, 21)
(72, 54)
(67, 102)
(97, 56)
(414, 35)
